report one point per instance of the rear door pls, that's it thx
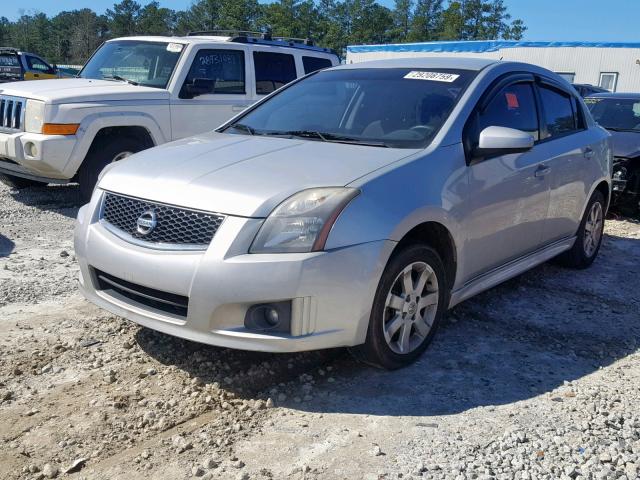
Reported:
(222, 73)
(507, 199)
(571, 152)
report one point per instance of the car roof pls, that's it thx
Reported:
(621, 95)
(462, 63)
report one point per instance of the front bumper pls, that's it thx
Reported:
(331, 292)
(36, 156)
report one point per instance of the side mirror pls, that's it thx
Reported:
(199, 86)
(503, 140)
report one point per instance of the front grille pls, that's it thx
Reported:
(11, 113)
(149, 297)
(174, 227)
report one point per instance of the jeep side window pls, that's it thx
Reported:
(559, 114)
(311, 64)
(39, 65)
(273, 70)
(222, 71)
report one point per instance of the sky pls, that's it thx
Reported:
(547, 20)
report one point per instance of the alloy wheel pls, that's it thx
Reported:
(593, 229)
(410, 308)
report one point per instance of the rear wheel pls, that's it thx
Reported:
(104, 151)
(410, 301)
(589, 237)
(19, 183)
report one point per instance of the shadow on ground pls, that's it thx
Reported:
(6, 246)
(62, 199)
(518, 340)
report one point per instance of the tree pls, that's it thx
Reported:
(123, 19)
(402, 19)
(427, 21)
(155, 20)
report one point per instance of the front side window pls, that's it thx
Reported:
(558, 112)
(311, 64)
(143, 63)
(387, 107)
(514, 107)
(273, 70)
(617, 114)
(38, 64)
(221, 70)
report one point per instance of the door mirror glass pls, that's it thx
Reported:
(502, 140)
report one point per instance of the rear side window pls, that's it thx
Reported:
(9, 60)
(514, 107)
(223, 68)
(559, 112)
(273, 70)
(311, 64)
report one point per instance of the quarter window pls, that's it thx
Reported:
(514, 107)
(311, 64)
(223, 69)
(273, 70)
(559, 113)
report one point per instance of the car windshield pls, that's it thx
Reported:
(141, 63)
(617, 114)
(382, 107)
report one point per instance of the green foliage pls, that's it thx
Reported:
(71, 36)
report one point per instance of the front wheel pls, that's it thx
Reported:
(589, 236)
(410, 301)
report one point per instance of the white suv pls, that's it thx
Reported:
(138, 92)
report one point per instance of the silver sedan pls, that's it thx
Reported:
(350, 208)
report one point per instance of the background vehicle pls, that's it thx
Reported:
(619, 113)
(138, 92)
(16, 65)
(584, 89)
(413, 185)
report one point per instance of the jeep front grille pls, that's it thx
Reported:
(11, 113)
(175, 228)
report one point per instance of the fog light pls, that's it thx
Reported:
(30, 149)
(271, 316)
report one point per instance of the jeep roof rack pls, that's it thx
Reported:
(262, 38)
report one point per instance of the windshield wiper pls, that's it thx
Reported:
(122, 79)
(243, 127)
(326, 137)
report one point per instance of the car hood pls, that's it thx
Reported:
(625, 144)
(241, 175)
(74, 90)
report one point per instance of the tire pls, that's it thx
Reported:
(103, 151)
(19, 183)
(587, 244)
(399, 312)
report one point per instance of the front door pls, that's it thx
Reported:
(38, 69)
(506, 203)
(214, 90)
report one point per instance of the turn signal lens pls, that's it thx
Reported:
(60, 128)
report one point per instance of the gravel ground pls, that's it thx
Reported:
(538, 378)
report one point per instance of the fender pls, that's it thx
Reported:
(92, 124)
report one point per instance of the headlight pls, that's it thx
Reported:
(303, 221)
(34, 116)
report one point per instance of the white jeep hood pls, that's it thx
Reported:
(75, 90)
(239, 174)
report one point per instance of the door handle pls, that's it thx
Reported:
(542, 170)
(588, 152)
(238, 108)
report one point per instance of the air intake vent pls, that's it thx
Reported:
(11, 114)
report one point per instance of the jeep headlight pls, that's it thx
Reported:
(302, 222)
(34, 116)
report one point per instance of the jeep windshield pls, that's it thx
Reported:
(616, 114)
(378, 107)
(137, 62)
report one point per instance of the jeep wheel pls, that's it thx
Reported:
(104, 151)
(411, 299)
(19, 183)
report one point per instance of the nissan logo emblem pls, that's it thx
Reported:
(147, 222)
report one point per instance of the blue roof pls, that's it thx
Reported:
(479, 46)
